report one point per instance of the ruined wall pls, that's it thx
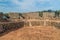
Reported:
(31, 15)
(55, 24)
(46, 23)
(5, 26)
(13, 15)
(47, 19)
(33, 19)
(37, 23)
(48, 15)
(39, 15)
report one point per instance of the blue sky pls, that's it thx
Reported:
(28, 5)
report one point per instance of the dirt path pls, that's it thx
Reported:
(33, 33)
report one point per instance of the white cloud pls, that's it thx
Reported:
(28, 4)
(25, 5)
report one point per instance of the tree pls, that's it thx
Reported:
(49, 10)
(56, 14)
(21, 15)
(6, 16)
(1, 12)
(40, 14)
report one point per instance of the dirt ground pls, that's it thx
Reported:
(33, 33)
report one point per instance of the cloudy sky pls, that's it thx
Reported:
(28, 5)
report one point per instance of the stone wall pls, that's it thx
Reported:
(5, 26)
(37, 23)
(46, 23)
(31, 15)
(10, 25)
(13, 15)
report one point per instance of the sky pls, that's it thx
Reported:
(28, 5)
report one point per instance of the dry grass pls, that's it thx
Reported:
(33, 33)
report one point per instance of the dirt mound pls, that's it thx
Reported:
(33, 33)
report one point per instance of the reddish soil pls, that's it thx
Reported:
(33, 33)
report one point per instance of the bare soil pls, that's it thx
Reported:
(33, 33)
